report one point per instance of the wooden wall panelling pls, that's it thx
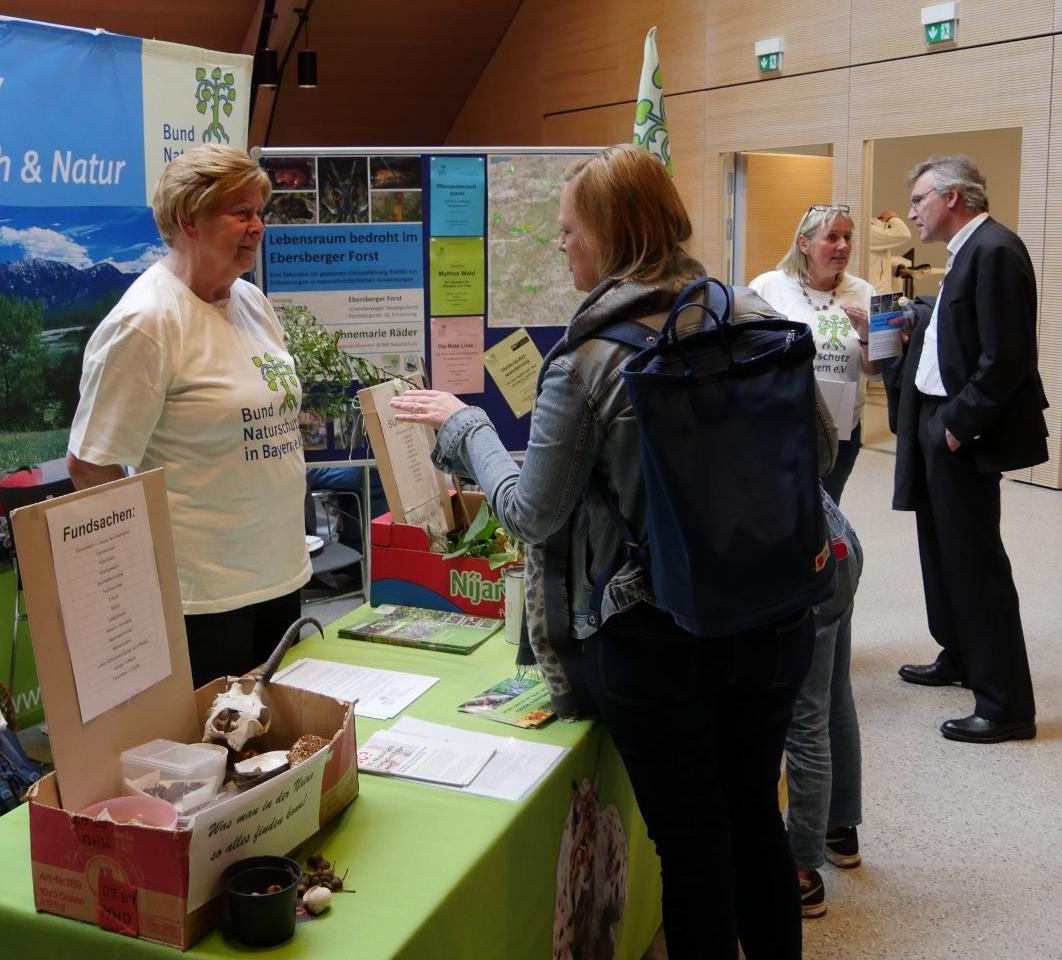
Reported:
(597, 127)
(680, 41)
(1050, 339)
(581, 50)
(788, 112)
(685, 121)
(881, 31)
(815, 32)
(983, 89)
(505, 106)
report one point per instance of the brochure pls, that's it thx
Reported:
(516, 768)
(521, 701)
(379, 694)
(413, 627)
(420, 758)
(886, 324)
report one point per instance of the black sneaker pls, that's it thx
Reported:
(812, 896)
(842, 847)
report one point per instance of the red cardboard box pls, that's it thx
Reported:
(406, 572)
(142, 881)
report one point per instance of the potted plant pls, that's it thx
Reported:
(327, 373)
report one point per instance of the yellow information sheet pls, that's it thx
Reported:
(457, 282)
(514, 363)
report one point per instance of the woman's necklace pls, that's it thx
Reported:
(825, 306)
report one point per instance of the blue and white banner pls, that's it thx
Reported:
(88, 119)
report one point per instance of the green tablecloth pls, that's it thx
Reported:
(437, 874)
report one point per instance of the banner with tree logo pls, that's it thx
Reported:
(88, 119)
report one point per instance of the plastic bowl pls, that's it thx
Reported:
(145, 810)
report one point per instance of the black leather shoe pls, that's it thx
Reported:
(975, 729)
(930, 675)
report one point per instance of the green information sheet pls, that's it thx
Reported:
(457, 282)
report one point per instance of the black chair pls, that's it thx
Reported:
(11, 498)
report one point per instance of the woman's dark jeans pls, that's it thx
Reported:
(700, 725)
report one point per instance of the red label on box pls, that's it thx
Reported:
(117, 906)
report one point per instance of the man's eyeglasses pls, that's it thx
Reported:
(917, 198)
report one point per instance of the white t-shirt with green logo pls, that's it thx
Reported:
(207, 391)
(836, 342)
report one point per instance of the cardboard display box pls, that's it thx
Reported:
(144, 881)
(406, 572)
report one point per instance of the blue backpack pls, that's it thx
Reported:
(727, 422)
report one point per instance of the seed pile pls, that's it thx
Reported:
(319, 873)
(303, 748)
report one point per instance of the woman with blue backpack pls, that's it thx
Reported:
(699, 722)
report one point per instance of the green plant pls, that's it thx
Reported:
(486, 537)
(325, 369)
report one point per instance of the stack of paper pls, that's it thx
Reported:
(419, 758)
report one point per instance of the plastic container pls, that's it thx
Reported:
(256, 917)
(188, 775)
(141, 810)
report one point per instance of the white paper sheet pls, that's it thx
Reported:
(110, 597)
(515, 769)
(840, 397)
(418, 758)
(379, 694)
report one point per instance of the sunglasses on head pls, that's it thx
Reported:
(841, 208)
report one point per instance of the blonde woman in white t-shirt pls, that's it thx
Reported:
(823, 756)
(811, 285)
(189, 372)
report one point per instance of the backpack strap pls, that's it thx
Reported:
(717, 305)
(638, 336)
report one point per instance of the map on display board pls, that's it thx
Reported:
(421, 260)
(529, 282)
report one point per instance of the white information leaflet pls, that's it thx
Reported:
(110, 597)
(378, 694)
(417, 758)
(270, 819)
(516, 767)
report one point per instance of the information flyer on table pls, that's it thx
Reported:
(379, 694)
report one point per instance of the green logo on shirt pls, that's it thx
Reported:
(833, 328)
(278, 375)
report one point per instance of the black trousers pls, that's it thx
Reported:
(700, 725)
(971, 601)
(233, 642)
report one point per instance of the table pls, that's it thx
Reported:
(438, 875)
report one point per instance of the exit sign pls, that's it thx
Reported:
(942, 32)
(770, 62)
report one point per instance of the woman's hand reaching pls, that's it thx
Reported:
(433, 407)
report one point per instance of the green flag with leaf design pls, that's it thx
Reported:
(650, 121)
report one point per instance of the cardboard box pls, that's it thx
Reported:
(406, 572)
(143, 881)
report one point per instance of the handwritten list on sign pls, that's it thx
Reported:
(110, 597)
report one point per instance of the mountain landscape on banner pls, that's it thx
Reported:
(61, 271)
(60, 285)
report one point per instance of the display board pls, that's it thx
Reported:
(435, 259)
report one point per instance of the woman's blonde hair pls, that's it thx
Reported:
(796, 263)
(627, 203)
(199, 177)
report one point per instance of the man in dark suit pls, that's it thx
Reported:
(969, 404)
